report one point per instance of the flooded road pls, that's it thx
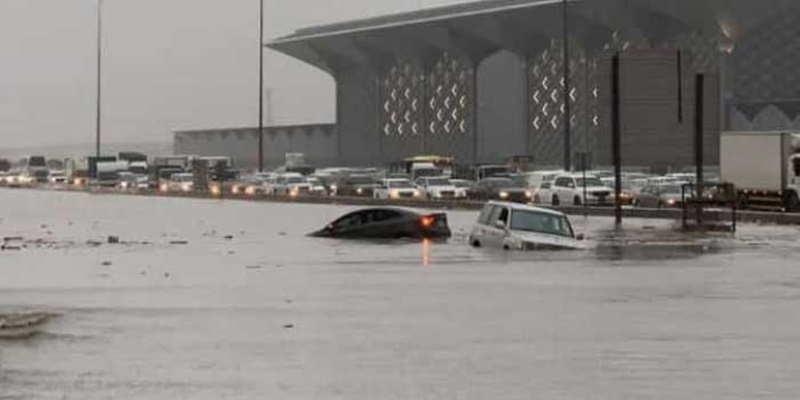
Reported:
(212, 300)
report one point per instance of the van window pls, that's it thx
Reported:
(494, 216)
(503, 216)
(546, 185)
(563, 182)
(483, 219)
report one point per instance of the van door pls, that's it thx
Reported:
(495, 233)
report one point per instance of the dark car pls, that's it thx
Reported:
(502, 189)
(354, 186)
(387, 223)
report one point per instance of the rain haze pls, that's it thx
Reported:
(168, 64)
(510, 199)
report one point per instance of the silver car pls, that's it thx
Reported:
(511, 226)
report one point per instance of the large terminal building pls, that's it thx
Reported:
(485, 81)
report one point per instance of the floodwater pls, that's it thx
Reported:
(229, 300)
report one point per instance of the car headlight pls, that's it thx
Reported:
(216, 190)
(504, 195)
(671, 202)
(529, 194)
(394, 193)
(360, 191)
(294, 192)
(124, 185)
(250, 191)
(163, 187)
(235, 189)
(416, 193)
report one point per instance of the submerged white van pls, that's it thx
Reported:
(511, 226)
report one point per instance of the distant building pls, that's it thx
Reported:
(318, 142)
(483, 81)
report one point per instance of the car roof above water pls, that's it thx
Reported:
(523, 207)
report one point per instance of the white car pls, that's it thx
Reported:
(439, 188)
(569, 189)
(396, 188)
(183, 182)
(296, 184)
(511, 226)
(317, 187)
(273, 186)
(58, 177)
(544, 193)
(535, 179)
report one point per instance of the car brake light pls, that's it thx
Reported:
(427, 222)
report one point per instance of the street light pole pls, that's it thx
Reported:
(261, 86)
(567, 105)
(99, 98)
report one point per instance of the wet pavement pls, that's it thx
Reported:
(209, 299)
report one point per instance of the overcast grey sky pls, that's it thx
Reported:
(169, 64)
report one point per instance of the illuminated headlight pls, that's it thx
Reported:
(394, 193)
(294, 192)
(216, 190)
(416, 193)
(529, 194)
(360, 191)
(333, 188)
(163, 187)
(124, 185)
(504, 195)
(250, 191)
(186, 187)
(671, 202)
(236, 189)
(77, 182)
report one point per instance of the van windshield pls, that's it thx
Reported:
(540, 222)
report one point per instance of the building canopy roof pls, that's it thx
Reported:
(474, 30)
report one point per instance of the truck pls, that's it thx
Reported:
(764, 167)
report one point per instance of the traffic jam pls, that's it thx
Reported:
(420, 178)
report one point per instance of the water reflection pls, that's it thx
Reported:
(426, 252)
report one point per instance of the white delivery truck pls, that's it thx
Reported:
(764, 167)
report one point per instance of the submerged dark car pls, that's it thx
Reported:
(387, 223)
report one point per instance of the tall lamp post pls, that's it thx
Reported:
(261, 86)
(567, 105)
(99, 98)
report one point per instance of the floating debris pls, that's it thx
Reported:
(106, 263)
(253, 267)
(12, 244)
(228, 237)
(113, 240)
(288, 326)
(21, 326)
(179, 242)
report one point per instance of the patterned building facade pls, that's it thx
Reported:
(486, 81)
